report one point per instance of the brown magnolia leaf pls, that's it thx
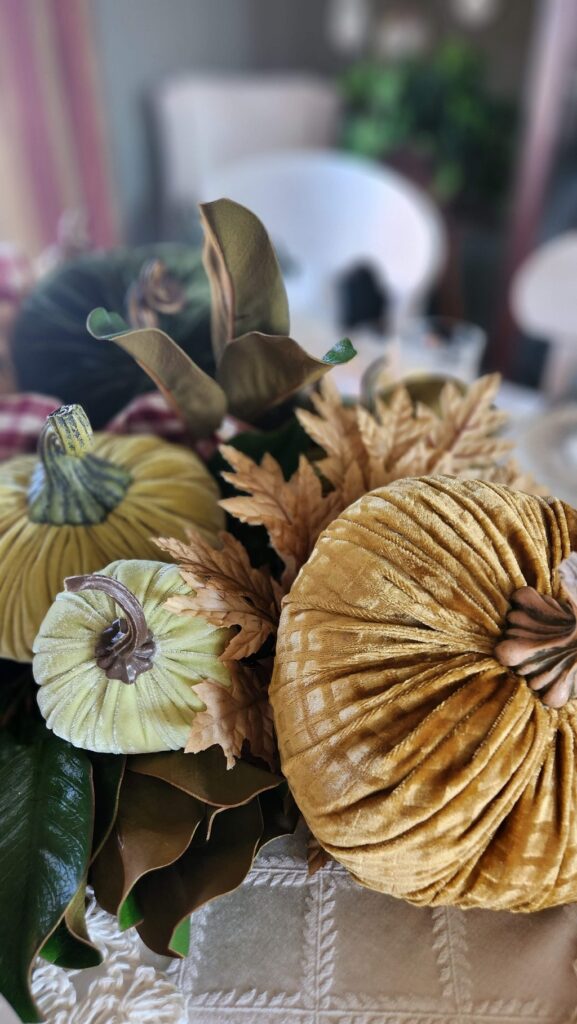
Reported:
(154, 825)
(464, 436)
(228, 591)
(317, 857)
(246, 284)
(261, 370)
(293, 511)
(205, 775)
(195, 397)
(235, 715)
(209, 868)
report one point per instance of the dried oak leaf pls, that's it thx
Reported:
(510, 474)
(395, 438)
(228, 590)
(335, 429)
(317, 857)
(464, 436)
(235, 715)
(293, 511)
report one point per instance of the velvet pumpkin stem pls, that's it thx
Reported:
(69, 484)
(126, 648)
(540, 638)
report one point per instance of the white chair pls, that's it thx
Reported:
(205, 122)
(328, 212)
(544, 304)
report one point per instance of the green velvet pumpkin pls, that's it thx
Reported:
(54, 354)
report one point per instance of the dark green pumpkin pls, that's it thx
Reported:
(54, 354)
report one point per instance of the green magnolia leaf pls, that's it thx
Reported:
(259, 371)
(107, 772)
(340, 353)
(208, 869)
(104, 325)
(206, 777)
(46, 810)
(246, 284)
(70, 945)
(154, 825)
(195, 397)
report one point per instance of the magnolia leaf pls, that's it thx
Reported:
(209, 868)
(195, 397)
(46, 809)
(261, 370)
(206, 777)
(340, 353)
(70, 945)
(246, 284)
(243, 716)
(154, 825)
(228, 591)
(107, 774)
(104, 324)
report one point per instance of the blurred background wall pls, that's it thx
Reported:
(139, 43)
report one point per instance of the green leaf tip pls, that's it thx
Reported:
(180, 938)
(102, 324)
(340, 353)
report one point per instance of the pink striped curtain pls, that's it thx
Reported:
(52, 133)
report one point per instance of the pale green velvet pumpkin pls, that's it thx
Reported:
(116, 670)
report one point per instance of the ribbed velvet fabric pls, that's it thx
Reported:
(420, 763)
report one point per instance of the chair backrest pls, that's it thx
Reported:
(205, 122)
(544, 290)
(327, 212)
(544, 303)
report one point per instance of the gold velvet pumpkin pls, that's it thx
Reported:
(84, 501)
(427, 767)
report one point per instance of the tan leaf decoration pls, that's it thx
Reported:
(334, 429)
(510, 474)
(366, 450)
(228, 591)
(235, 715)
(294, 512)
(317, 857)
(465, 434)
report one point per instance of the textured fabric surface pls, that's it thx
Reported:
(427, 769)
(286, 948)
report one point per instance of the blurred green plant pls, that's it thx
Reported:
(437, 113)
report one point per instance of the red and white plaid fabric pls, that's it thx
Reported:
(22, 418)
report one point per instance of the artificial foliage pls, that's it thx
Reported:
(158, 833)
